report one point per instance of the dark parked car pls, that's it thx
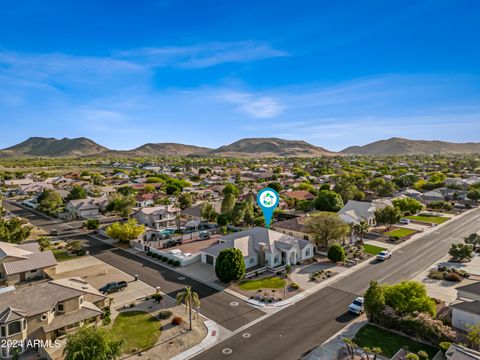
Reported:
(113, 287)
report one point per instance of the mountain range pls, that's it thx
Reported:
(244, 148)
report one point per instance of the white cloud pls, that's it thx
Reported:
(258, 107)
(202, 55)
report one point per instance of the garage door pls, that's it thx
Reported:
(210, 259)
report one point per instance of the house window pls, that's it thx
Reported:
(81, 300)
(251, 260)
(4, 352)
(60, 308)
(14, 328)
(305, 237)
(33, 271)
(44, 317)
(3, 331)
(307, 252)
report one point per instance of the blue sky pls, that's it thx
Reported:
(333, 73)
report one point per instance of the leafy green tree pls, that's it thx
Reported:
(230, 265)
(407, 297)
(407, 205)
(275, 186)
(14, 230)
(208, 212)
(440, 205)
(238, 213)
(49, 202)
(461, 252)
(228, 203)
(249, 210)
(93, 343)
(74, 246)
(374, 300)
(129, 230)
(185, 200)
(474, 334)
(44, 243)
(326, 227)
(127, 190)
(473, 239)
(222, 221)
(336, 253)
(411, 356)
(77, 192)
(230, 189)
(121, 204)
(328, 200)
(388, 216)
(304, 205)
(190, 299)
(92, 224)
(347, 189)
(474, 195)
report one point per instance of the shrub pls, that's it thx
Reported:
(444, 345)
(423, 355)
(170, 262)
(164, 315)
(81, 252)
(176, 263)
(157, 297)
(336, 253)
(177, 320)
(164, 259)
(412, 357)
(452, 276)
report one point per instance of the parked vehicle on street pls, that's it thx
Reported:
(112, 287)
(204, 235)
(404, 221)
(384, 255)
(172, 243)
(357, 307)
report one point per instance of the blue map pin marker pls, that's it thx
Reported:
(268, 199)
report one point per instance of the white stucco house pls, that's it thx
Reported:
(262, 247)
(466, 309)
(356, 211)
(88, 208)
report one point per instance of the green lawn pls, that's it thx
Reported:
(372, 336)
(372, 249)
(62, 255)
(272, 282)
(140, 329)
(400, 232)
(429, 219)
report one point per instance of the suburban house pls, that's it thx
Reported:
(410, 193)
(298, 195)
(262, 247)
(195, 212)
(294, 227)
(47, 311)
(459, 352)
(144, 200)
(466, 309)
(356, 211)
(157, 217)
(86, 208)
(20, 263)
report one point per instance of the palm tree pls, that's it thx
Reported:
(360, 229)
(190, 299)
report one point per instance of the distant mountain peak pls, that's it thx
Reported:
(401, 146)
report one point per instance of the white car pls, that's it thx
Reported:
(384, 255)
(404, 221)
(356, 306)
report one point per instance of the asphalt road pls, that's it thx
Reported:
(214, 305)
(292, 333)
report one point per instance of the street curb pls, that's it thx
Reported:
(209, 340)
